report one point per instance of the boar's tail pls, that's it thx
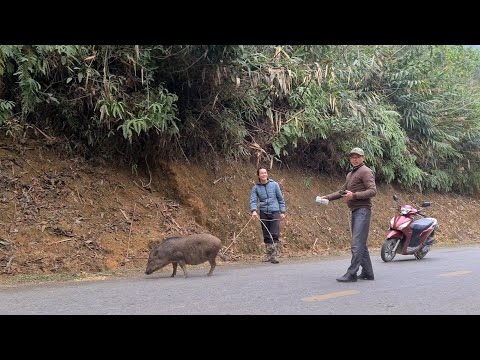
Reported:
(222, 256)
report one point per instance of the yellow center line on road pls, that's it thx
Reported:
(455, 273)
(331, 295)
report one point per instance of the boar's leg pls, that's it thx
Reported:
(174, 269)
(212, 266)
(184, 267)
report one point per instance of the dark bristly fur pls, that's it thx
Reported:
(182, 250)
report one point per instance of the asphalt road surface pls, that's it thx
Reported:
(446, 281)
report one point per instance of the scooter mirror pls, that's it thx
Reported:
(425, 204)
(395, 197)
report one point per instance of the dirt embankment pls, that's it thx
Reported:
(68, 215)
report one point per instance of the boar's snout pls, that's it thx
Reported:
(150, 269)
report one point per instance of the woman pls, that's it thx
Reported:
(272, 210)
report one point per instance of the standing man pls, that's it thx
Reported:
(358, 190)
(272, 210)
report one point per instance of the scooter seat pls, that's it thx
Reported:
(421, 224)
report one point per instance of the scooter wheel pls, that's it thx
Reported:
(387, 252)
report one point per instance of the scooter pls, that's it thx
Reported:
(407, 235)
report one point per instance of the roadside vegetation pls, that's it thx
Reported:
(414, 109)
(107, 148)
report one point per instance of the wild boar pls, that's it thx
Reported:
(182, 250)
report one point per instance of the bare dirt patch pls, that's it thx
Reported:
(67, 215)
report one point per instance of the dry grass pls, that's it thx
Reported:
(70, 219)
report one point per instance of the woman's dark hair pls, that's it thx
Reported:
(261, 167)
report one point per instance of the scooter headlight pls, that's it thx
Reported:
(405, 210)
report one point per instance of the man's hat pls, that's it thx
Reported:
(357, 151)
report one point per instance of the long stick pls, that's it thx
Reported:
(60, 241)
(130, 233)
(234, 237)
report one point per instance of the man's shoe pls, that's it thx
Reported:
(366, 277)
(274, 260)
(347, 278)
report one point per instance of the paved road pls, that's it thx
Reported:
(446, 281)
